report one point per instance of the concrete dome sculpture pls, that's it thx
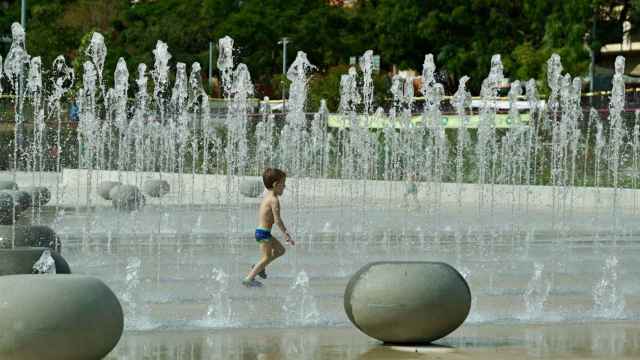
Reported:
(127, 198)
(43, 236)
(12, 203)
(30, 236)
(20, 260)
(156, 188)
(407, 302)
(58, 317)
(19, 199)
(22, 199)
(113, 191)
(40, 195)
(105, 187)
(251, 188)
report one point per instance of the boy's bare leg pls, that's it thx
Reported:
(266, 249)
(271, 250)
(278, 248)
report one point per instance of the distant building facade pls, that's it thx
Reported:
(343, 3)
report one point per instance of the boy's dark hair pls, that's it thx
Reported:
(271, 175)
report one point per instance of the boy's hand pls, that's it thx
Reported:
(288, 239)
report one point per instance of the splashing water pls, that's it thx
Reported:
(462, 97)
(537, 292)
(160, 72)
(121, 78)
(130, 295)
(219, 311)
(554, 73)
(532, 93)
(120, 91)
(34, 76)
(17, 59)
(45, 264)
(297, 74)
(196, 91)
(432, 91)
(366, 65)
(514, 93)
(617, 127)
(300, 306)
(97, 51)
(461, 102)
(225, 63)
(608, 299)
(347, 169)
(349, 95)
(485, 146)
(62, 79)
(179, 92)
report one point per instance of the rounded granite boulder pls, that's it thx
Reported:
(40, 195)
(12, 203)
(31, 236)
(156, 188)
(407, 302)
(18, 199)
(20, 260)
(8, 185)
(57, 317)
(114, 190)
(127, 197)
(251, 188)
(43, 236)
(105, 187)
(7, 217)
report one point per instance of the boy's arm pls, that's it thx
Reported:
(275, 206)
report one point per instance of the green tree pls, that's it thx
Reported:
(462, 34)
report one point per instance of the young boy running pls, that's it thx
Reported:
(268, 214)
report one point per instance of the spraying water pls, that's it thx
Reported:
(348, 174)
(608, 299)
(300, 306)
(537, 292)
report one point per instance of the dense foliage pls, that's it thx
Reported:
(462, 34)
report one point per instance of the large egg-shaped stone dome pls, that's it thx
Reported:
(58, 317)
(407, 302)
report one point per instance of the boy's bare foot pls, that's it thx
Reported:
(251, 283)
(263, 273)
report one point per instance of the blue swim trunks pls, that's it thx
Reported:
(263, 234)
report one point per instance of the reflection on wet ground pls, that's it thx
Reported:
(592, 340)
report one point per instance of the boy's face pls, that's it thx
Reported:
(278, 186)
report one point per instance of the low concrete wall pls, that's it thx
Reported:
(78, 187)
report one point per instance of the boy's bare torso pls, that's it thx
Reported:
(265, 213)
